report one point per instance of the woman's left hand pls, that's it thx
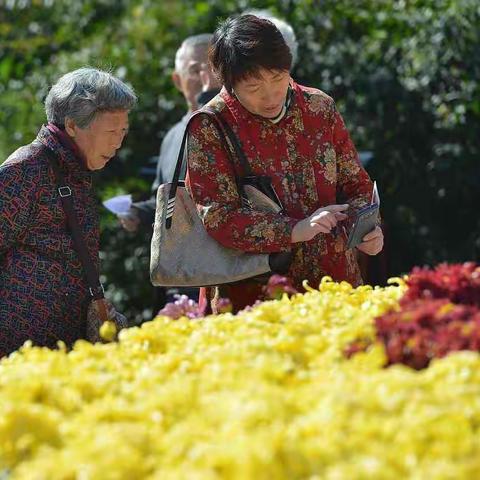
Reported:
(372, 242)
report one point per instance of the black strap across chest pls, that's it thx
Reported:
(66, 197)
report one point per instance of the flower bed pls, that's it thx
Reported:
(267, 394)
(439, 314)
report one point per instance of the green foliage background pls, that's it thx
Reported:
(405, 74)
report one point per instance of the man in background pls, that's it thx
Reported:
(190, 61)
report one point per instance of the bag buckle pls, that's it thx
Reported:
(97, 290)
(65, 191)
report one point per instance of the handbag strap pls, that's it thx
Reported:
(65, 192)
(235, 151)
(232, 139)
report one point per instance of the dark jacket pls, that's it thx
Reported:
(43, 294)
(167, 161)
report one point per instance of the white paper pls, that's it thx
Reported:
(119, 205)
(375, 195)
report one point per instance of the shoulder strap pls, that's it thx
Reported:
(232, 139)
(233, 150)
(65, 192)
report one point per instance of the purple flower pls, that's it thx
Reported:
(224, 305)
(182, 307)
(278, 285)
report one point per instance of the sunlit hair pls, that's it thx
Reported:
(243, 45)
(285, 29)
(190, 43)
(82, 94)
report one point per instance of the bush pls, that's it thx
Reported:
(404, 74)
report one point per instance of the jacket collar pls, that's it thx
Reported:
(59, 142)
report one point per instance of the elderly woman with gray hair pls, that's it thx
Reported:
(43, 292)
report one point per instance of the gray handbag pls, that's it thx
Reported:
(183, 254)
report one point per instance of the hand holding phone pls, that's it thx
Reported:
(372, 242)
(364, 222)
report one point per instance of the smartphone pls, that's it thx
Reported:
(366, 219)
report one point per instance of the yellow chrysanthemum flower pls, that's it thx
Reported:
(266, 394)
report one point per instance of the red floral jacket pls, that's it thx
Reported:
(312, 163)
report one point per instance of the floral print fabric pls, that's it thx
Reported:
(312, 163)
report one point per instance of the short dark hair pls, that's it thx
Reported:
(243, 45)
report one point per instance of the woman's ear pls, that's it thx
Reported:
(70, 127)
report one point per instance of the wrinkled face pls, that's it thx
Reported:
(99, 142)
(264, 94)
(188, 79)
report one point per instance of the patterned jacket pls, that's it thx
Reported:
(43, 294)
(312, 163)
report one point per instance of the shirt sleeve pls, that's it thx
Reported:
(211, 181)
(355, 186)
(17, 202)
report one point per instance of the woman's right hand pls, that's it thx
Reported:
(321, 221)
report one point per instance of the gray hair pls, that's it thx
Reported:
(195, 41)
(82, 94)
(285, 29)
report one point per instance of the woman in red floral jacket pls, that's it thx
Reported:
(43, 292)
(291, 133)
